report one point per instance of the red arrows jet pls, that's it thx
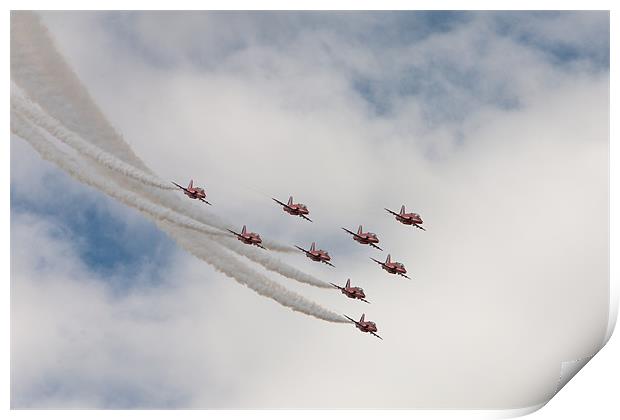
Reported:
(249, 238)
(366, 238)
(318, 255)
(392, 267)
(352, 292)
(194, 192)
(294, 209)
(365, 326)
(412, 219)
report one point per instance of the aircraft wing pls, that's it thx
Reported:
(352, 233)
(376, 335)
(390, 211)
(260, 246)
(377, 261)
(183, 188)
(336, 286)
(351, 319)
(364, 300)
(301, 249)
(419, 227)
(328, 263)
(304, 217)
(375, 246)
(234, 233)
(407, 277)
(281, 203)
(205, 201)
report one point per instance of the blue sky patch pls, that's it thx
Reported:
(119, 250)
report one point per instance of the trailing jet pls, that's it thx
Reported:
(392, 267)
(366, 238)
(249, 238)
(412, 219)
(294, 209)
(352, 292)
(194, 192)
(318, 255)
(365, 326)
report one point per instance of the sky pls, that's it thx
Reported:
(493, 126)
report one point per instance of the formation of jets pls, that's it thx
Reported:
(322, 256)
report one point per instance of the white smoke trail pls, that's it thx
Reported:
(223, 261)
(272, 264)
(45, 77)
(40, 118)
(40, 72)
(208, 249)
(38, 67)
(48, 151)
(33, 112)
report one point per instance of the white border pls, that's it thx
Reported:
(561, 406)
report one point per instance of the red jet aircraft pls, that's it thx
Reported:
(249, 238)
(294, 209)
(352, 292)
(412, 219)
(365, 326)
(392, 267)
(366, 238)
(318, 255)
(194, 192)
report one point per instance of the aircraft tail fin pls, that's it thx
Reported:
(348, 283)
(312, 247)
(362, 318)
(290, 201)
(359, 230)
(243, 230)
(402, 209)
(191, 184)
(388, 259)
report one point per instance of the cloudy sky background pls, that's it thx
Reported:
(493, 126)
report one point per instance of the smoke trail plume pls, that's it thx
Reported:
(226, 263)
(40, 118)
(38, 68)
(208, 250)
(38, 71)
(22, 104)
(22, 128)
(273, 264)
(37, 116)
